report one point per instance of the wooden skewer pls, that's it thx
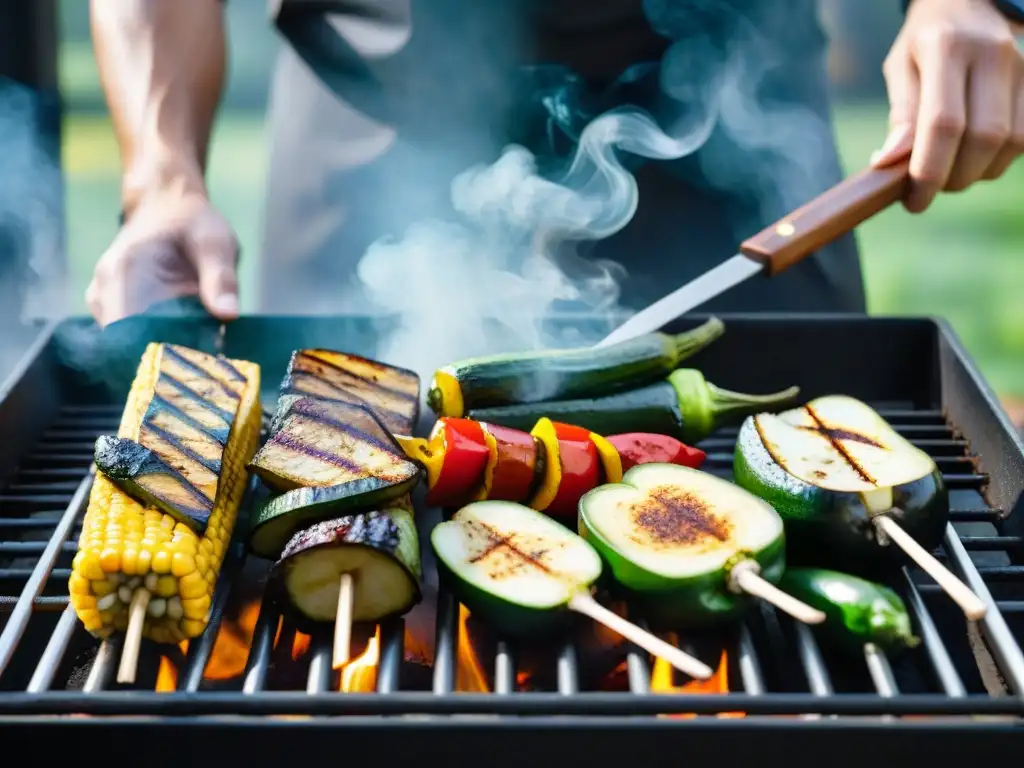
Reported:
(133, 636)
(343, 621)
(972, 605)
(583, 603)
(746, 577)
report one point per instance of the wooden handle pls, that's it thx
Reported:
(826, 217)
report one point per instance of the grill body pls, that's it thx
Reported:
(962, 690)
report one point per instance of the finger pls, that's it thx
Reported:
(1014, 146)
(941, 119)
(215, 255)
(989, 116)
(110, 293)
(903, 87)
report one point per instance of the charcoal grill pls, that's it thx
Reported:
(960, 691)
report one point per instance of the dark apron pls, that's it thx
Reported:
(377, 105)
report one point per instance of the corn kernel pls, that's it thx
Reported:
(166, 586)
(182, 564)
(192, 586)
(161, 562)
(196, 608)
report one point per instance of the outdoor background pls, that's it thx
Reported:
(963, 259)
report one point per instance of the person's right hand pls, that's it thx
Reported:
(175, 243)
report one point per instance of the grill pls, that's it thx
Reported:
(960, 689)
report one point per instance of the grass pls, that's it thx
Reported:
(963, 259)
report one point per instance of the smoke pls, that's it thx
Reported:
(485, 282)
(32, 284)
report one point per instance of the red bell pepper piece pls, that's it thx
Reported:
(511, 469)
(579, 464)
(457, 456)
(644, 448)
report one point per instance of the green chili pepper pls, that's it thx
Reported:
(858, 611)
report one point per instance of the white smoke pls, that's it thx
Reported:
(452, 282)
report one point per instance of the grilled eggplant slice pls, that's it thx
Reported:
(173, 460)
(828, 468)
(393, 394)
(328, 457)
(379, 549)
(320, 444)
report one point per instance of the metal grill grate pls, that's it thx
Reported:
(42, 506)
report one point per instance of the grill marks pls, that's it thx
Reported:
(176, 458)
(836, 437)
(391, 393)
(320, 443)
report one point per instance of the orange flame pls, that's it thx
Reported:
(229, 654)
(470, 674)
(662, 675)
(360, 674)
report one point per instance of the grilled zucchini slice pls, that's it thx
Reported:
(378, 548)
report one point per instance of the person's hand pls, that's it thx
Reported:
(955, 77)
(175, 243)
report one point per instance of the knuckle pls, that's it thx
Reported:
(988, 137)
(944, 38)
(945, 125)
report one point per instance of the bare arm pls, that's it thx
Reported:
(162, 67)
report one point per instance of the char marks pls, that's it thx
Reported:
(836, 437)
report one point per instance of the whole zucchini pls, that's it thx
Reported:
(535, 376)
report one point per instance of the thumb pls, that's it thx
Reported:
(216, 261)
(903, 86)
(897, 145)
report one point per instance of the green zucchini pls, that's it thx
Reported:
(685, 406)
(378, 548)
(672, 536)
(329, 457)
(512, 566)
(828, 468)
(858, 611)
(535, 376)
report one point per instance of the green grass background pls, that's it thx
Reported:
(963, 259)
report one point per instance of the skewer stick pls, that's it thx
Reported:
(972, 605)
(583, 603)
(343, 621)
(133, 636)
(745, 577)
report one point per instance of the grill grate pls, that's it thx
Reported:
(42, 506)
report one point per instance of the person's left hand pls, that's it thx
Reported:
(955, 77)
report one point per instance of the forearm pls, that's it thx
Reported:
(162, 65)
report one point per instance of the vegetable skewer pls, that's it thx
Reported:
(527, 574)
(141, 569)
(687, 547)
(561, 374)
(332, 450)
(548, 469)
(849, 487)
(685, 406)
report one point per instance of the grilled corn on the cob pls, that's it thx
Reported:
(126, 546)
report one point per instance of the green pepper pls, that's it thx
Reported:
(676, 540)
(830, 468)
(685, 405)
(858, 611)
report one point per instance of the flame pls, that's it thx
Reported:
(360, 674)
(470, 674)
(299, 645)
(230, 650)
(662, 681)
